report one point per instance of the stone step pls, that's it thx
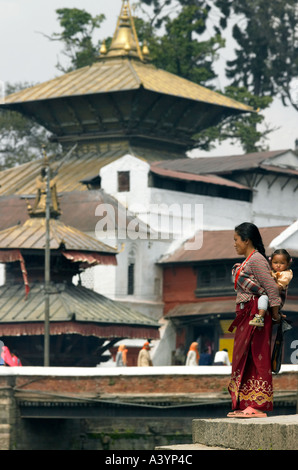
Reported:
(271, 433)
(188, 447)
(4, 437)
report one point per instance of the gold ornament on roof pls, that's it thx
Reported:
(125, 40)
(145, 49)
(103, 49)
(39, 206)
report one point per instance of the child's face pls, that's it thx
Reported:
(279, 263)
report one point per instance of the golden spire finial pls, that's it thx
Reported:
(125, 40)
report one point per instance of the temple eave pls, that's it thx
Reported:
(80, 328)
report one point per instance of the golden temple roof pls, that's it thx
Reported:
(119, 75)
(32, 235)
(122, 67)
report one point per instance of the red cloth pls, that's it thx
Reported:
(10, 359)
(89, 258)
(251, 378)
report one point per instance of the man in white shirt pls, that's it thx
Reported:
(221, 358)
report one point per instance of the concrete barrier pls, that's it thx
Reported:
(271, 433)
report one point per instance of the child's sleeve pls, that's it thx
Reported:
(284, 278)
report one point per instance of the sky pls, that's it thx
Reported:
(27, 55)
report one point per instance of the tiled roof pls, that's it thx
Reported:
(217, 245)
(215, 307)
(80, 167)
(67, 303)
(32, 235)
(78, 210)
(158, 168)
(202, 308)
(21, 179)
(223, 165)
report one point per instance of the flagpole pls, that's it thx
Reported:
(47, 269)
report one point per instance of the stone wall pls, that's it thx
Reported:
(8, 414)
(155, 381)
(114, 432)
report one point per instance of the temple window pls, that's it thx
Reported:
(123, 181)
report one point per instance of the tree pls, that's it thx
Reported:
(173, 33)
(243, 128)
(21, 138)
(78, 27)
(174, 38)
(266, 33)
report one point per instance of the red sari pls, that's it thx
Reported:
(251, 378)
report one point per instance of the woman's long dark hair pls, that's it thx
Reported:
(249, 231)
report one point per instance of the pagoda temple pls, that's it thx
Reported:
(120, 104)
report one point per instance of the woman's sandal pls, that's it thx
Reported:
(249, 412)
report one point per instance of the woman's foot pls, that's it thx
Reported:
(249, 412)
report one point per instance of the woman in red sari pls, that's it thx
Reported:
(250, 385)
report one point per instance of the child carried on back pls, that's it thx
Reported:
(280, 262)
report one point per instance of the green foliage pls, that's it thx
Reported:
(266, 34)
(174, 36)
(242, 128)
(78, 27)
(21, 137)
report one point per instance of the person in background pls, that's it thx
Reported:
(193, 356)
(221, 358)
(144, 359)
(2, 363)
(121, 356)
(179, 356)
(205, 358)
(9, 358)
